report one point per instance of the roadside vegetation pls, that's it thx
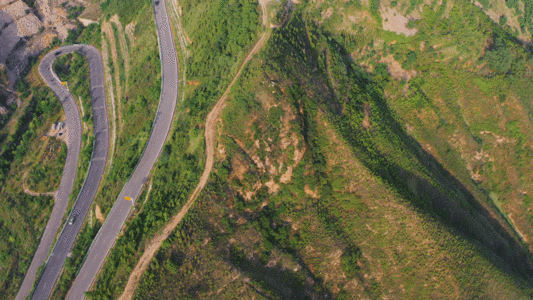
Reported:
(73, 68)
(45, 174)
(180, 164)
(319, 192)
(135, 108)
(23, 217)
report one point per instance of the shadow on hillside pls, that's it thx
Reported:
(285, 283)
(442, 196)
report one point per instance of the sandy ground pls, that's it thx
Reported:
(55, 17)
(396, 22)
(5, 2)
(86, 22)
(99, 215)
(16, 9)
(17, 24)
(210, 130)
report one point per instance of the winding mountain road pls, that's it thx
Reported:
(92, 180)
(105, 239)
(73, 124)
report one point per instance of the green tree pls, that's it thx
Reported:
(499, 56)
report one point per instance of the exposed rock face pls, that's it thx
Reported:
(3, 110)
(17, 25)
(25, 32)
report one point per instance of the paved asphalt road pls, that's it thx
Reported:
(73, 124)
(94, 175)
(109, 232)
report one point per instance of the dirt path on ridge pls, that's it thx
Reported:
(210, 129)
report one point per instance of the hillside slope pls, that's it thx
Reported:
(356, 162)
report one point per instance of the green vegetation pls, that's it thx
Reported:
(234, 33)
(137, 106)
(72, 263)
(30, 3)
(45, 174)
(500, 57)
(370, 195)
(23, 217)
(127, 11)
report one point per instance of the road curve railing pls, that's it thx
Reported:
(107, 235)
(63, 245)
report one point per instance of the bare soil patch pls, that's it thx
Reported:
(395, 22)
(396, 70)
(86, 22)
(99, 215)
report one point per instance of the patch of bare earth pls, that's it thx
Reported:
(99, 215)
(396, 70)
(395, 22)
(86, 22)
(499, 8)
(55, 17)
(130, 33)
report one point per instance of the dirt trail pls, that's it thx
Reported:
(111, 95)
(263, 4)
(210, 129)
(123, 47)
(32, 193)
(108, 31)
